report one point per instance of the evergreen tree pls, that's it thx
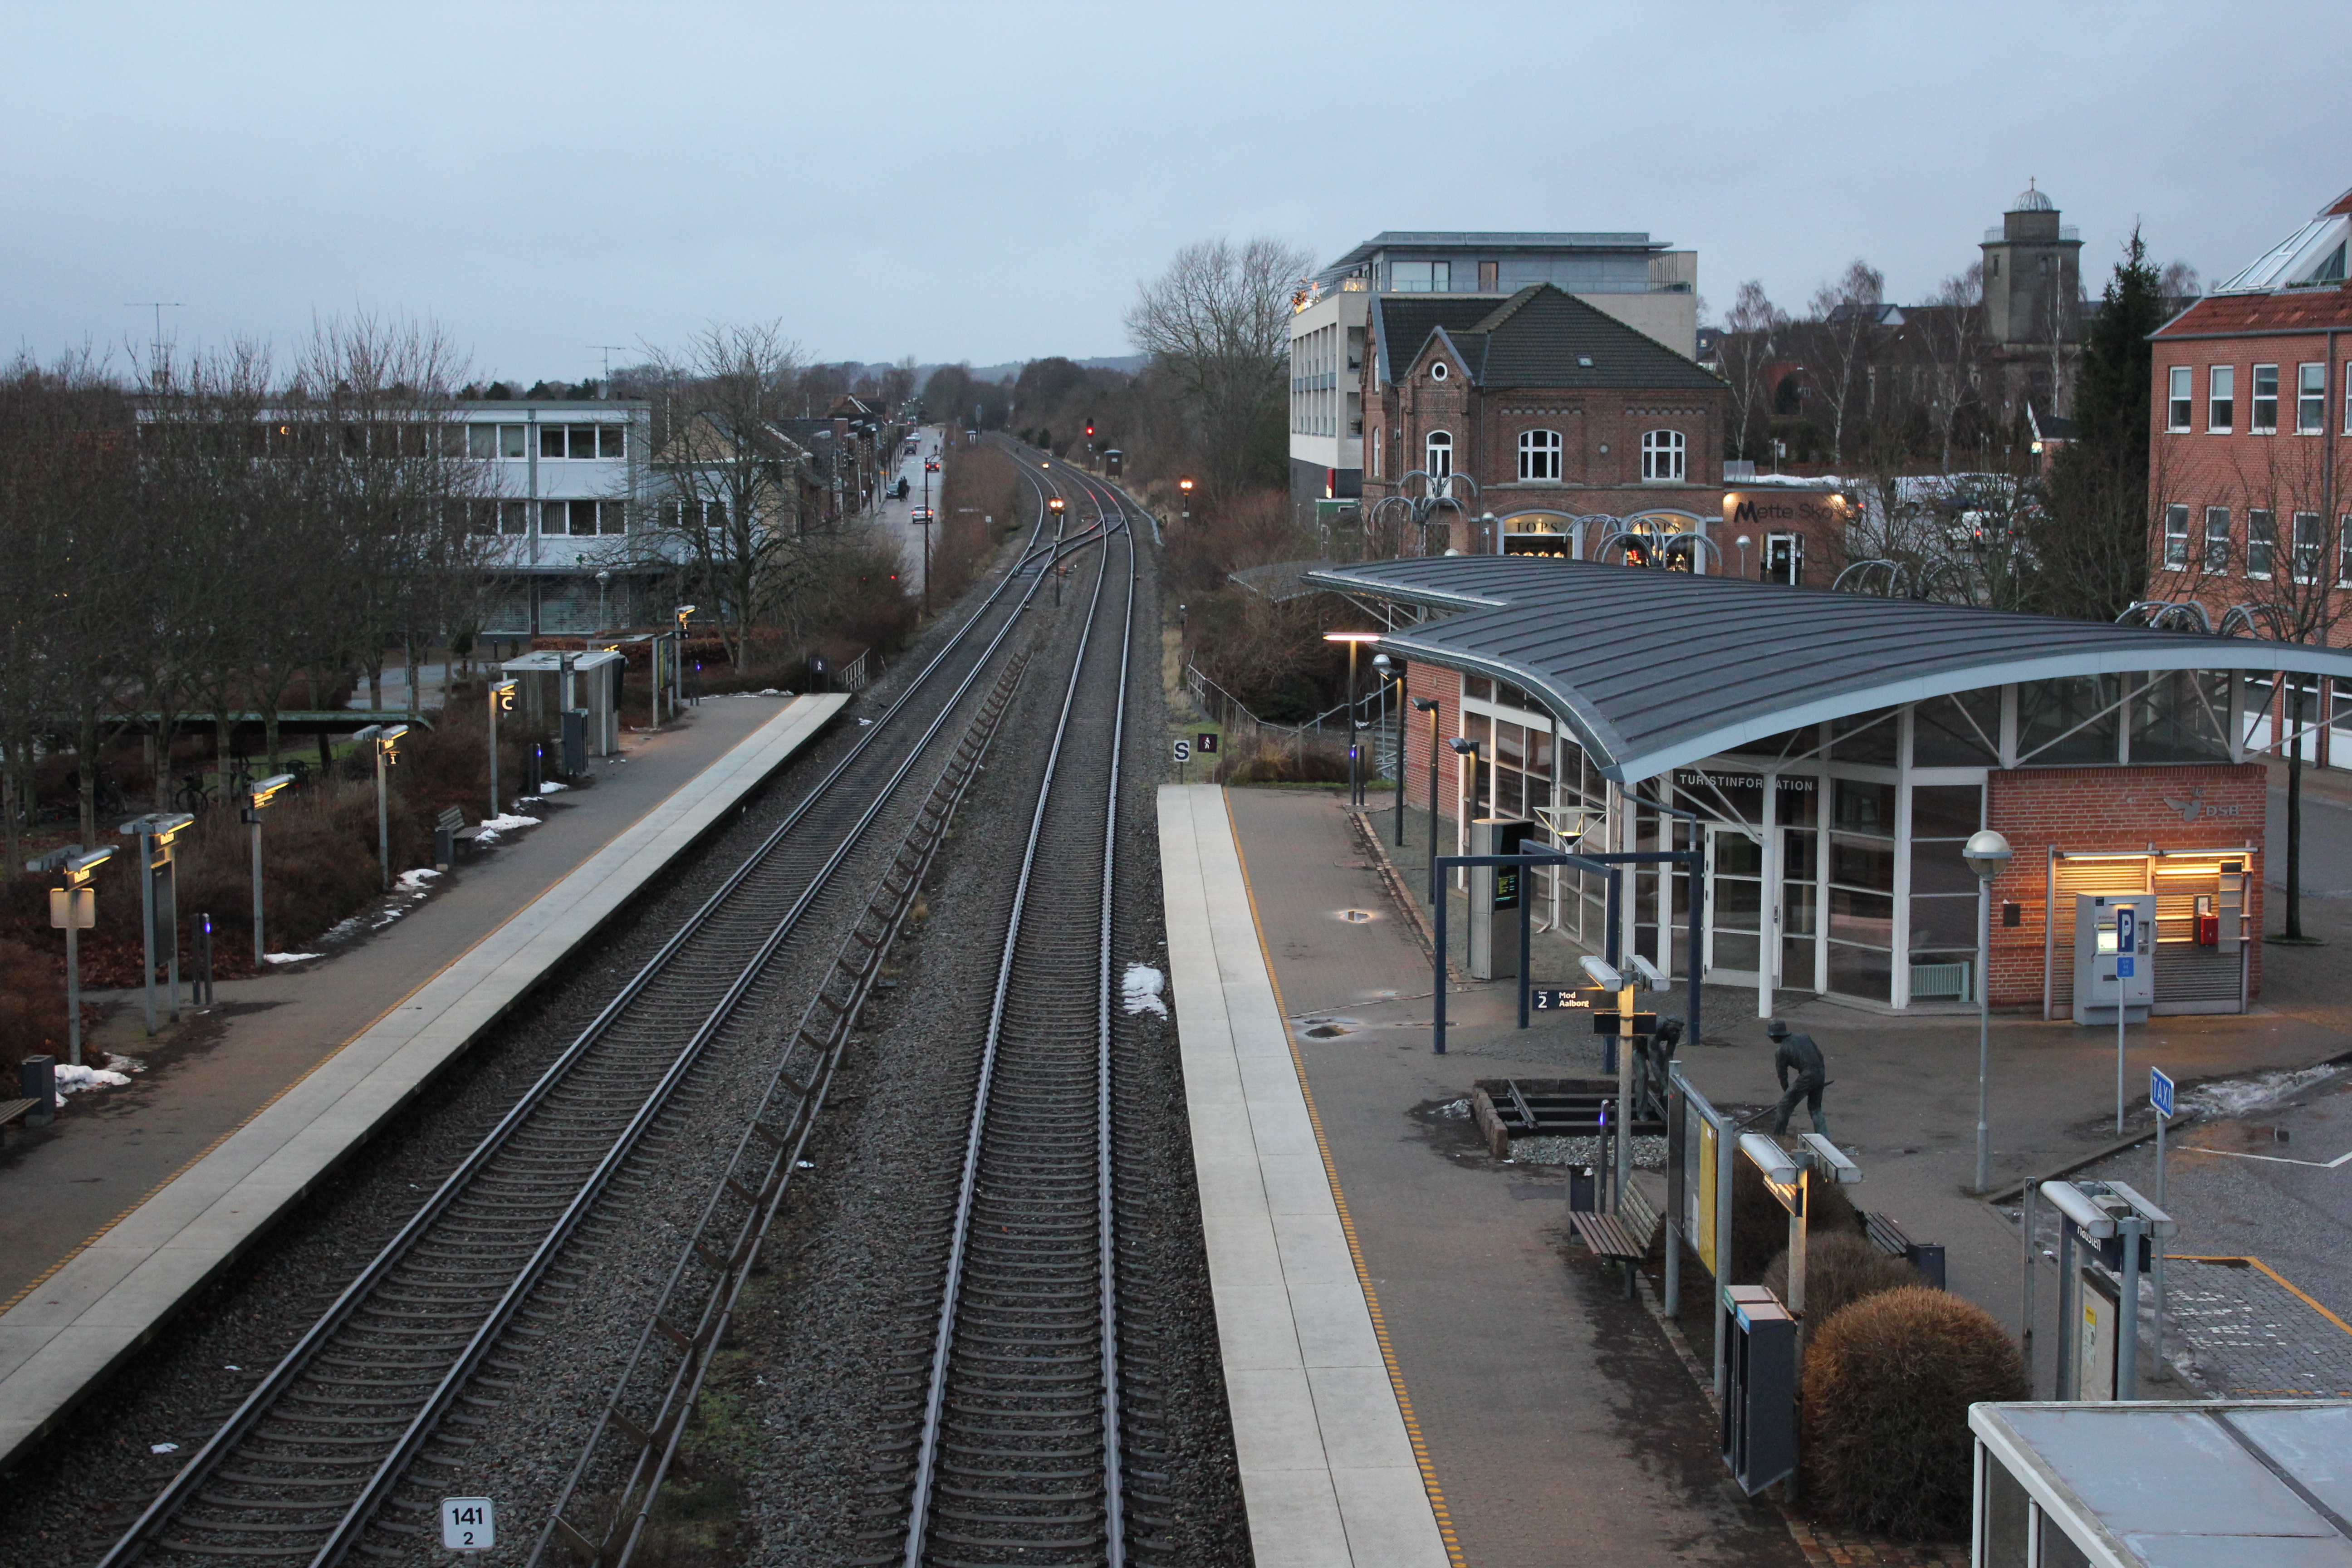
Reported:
(2094, 545)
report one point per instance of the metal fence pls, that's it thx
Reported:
(1227, 712)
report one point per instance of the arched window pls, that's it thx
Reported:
(1539, 454)
(1662, 454)
(1441, 454)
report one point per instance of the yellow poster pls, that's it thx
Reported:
(1703, 1232)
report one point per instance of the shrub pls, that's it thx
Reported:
(1286, 762)
(32, 1009)
(1887, 1386)
(1841, 1267)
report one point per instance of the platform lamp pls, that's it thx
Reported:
(684, 613)
(259, 795)
(1431, 706)
(386, 741)
(1384, 671)
(1355, 772)
(1466, 748)
(1987, 853)
(1184, 491)
(604, 617)
(155, 831)
(502, 700)
(73, 909)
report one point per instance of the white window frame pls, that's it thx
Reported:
(2307, 545)
(2176, 538)
(2344, 551)
(1434, 443)
(1663, 450)
(2216, 545)
(1795, 571)
(2255, 424)
(2221, 399)
(2310, 398)
(2262, 521)
(2180, 403)
(1539, 453)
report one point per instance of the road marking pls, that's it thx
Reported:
(2268, 1159)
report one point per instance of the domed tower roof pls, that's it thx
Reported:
(2032, 201)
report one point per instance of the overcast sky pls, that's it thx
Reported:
(988, 182)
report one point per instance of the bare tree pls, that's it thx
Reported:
(730, 512)
(1749, 332)
(1952, 335)
(1217, 324)
(1844, 328)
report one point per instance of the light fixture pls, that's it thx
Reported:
(1603, 973)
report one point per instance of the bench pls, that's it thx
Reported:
(12, 1112)
(449, 830)
(1927, 1256)
(1621, 1238)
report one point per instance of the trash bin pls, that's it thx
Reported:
(37, 1077)
(575, 742)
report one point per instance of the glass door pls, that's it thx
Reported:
(1735, 905)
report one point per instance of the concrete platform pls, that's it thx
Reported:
(82, 1314)
(1330, 1465)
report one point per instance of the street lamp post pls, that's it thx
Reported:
(1355, 771)
(604, 617)
(678, 665)
(502, 697)
(154, 833)
(72, 907)
(1381, 676)
(261, 794)
(1430, 706)
(1985, 853)
(386, 741)
(1184, 491)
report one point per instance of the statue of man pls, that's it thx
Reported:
(1799, 1055)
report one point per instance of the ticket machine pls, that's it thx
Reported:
(2115, 956)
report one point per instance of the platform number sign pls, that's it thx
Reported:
(2160, 1092)
(468, 1524)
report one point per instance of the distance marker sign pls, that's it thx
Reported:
(468, 1523)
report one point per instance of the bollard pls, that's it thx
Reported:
(37, 1077)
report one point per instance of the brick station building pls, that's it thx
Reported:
(2250, 465)
(1836, 750)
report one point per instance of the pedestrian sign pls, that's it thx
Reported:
(1205, 743)
(2160, 1092)
(468, 1524)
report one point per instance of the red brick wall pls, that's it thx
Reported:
(1445, 685)
(2090, 809)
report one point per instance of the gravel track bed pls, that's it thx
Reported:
(800, 1444)
(68, 1503)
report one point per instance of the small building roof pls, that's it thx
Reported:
(1652, 669)
(2228, 1484)
(1541, 336)
(1490, 240)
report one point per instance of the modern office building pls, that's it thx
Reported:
(1640, 281)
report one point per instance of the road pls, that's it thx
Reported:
(2327, 834)
(895, 516)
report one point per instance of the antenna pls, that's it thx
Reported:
(155, 345)
(608, 349)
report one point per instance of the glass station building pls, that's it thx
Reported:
(1836, 750)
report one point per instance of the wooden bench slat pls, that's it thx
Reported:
(10, 1110)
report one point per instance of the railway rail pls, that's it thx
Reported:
(302, 1469)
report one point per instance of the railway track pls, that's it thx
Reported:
(1020, 1452)
(303, 1470)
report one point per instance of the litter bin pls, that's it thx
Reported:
(37, 1077)
(575, 742)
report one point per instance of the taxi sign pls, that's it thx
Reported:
(2160, 1092)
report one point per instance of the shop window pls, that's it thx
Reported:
(2178, 407)
(2261, 543)
(2068, 721)
(2221, 399)
(2310, 398)
(2217, 539)
(1784, 558)
(2264, 421)
(1539, 454)
(1961, 730)
(2176, 538)
(2182, 716)
(1662, 454)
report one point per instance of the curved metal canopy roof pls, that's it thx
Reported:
(1655, 670)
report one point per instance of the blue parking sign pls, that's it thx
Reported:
(2160, 1092)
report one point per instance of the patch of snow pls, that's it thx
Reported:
(415, 881)
(72, 1080)
(2235, 1097)
(162, 1447)
(864, 722)
(503, 823)
(771, 692)
(1140, 988)
(1455, 1110)
(295, 957)
(553, 786)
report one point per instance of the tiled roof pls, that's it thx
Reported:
(1545, 336)
(1402, 323)
(2289, 311)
